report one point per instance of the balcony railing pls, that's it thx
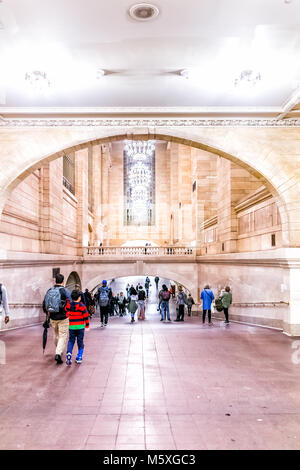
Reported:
(140, 251)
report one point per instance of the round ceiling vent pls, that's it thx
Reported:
(143, 12)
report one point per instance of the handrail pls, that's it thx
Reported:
(129, 251)
(260, 304)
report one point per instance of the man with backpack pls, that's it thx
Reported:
(164, 297)
(4, 311)
(141, 303)
(54, 306)
(104, 296)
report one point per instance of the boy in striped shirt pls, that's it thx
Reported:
(78, 316)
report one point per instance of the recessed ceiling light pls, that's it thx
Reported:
(143, 12)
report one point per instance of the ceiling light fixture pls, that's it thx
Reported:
(100, 73)
(38, 80)
(184, 73)
(248, 78)
(143, 12)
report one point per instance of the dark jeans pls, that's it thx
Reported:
(121, 310)
(104, 313)
(204, 315)
(73, 335)
(226, 314)
(180, 313)
(189, 310)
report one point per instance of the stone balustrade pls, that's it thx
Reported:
(140, 251)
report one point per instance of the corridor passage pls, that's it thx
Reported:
(152, 385)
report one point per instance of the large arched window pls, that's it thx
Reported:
(139, 183)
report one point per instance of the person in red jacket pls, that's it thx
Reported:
(78, 316)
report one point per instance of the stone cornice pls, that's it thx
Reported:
(49, 122)
(286, 263)
(209, 223)
(262, 194)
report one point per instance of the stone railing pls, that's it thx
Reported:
(140, 251)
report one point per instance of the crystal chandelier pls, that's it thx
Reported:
(140, 149)
(38, 80)
(248, 78)
(139, 175)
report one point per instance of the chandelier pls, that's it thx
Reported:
(248, 78)
(139, 175)
(38, 80)
(140, 149)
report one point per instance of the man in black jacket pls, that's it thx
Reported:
(54, 305)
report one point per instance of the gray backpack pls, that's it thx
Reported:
(53, 301)
(103, 296)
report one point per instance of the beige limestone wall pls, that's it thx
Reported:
(272, 154)
(19, 230)
(41, 214)
(260, 288)
(118, 232)
(27, 277)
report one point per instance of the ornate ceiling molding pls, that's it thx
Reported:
(140, 122)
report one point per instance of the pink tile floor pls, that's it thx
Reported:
(152, 385)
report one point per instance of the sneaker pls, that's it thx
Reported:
(161, 319)
(169, 319)
(105, 324)
(69, 359)
(78, 360)
(58, 359)
(102, 325)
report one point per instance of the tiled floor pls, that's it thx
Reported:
(152, 385)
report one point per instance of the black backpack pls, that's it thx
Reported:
(141, 295)
(218, 304)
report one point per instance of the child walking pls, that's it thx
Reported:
(78, 316)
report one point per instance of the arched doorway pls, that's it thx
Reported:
(73, 280)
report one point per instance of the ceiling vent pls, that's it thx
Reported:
(143, 12)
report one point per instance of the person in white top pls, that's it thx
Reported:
(4, 310)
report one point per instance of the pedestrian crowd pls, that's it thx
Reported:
(69, 313)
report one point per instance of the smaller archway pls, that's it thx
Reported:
(73, 280)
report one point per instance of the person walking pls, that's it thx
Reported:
(82, 295)
(122, 304)
(127, 289)
(226, 299)
(141, 303)
(133, 306)
(78, 316)
(54, 306)
(104, 296)
(147, 285)
(181, 301)
(207, 297)
(156, 280)
(164, 297)
(190, 302)
(4, 310)
(89, 302)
